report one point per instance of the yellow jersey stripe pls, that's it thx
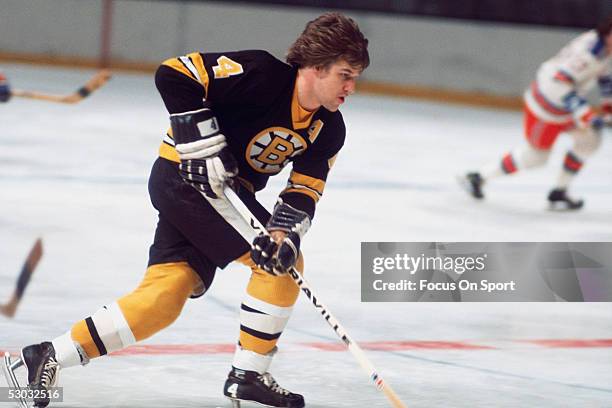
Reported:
(315, 197)
(301, 180)
(168, 152)
(198, 61)
(192, 66)
(177, 65)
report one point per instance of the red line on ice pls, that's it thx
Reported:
(572, 343)
(175, 349)
(401, 345)
(228, 348)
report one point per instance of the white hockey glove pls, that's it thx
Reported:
(206, 161)
(277, 258)
(5, 89)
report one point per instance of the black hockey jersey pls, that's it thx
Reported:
(254, 97)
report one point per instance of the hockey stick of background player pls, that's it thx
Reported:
(331, 320)
(31, 261)
(93, 84)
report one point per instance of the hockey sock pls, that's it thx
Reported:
(525, 157)
(571, 166)
(266, 308)
(508, 165)
(250, 361)
(69, 353)
(154, 305)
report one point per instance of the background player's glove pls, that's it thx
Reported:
(206, 161)
(605, 89)
(5, 89)
(278, 256)
(583, 114)
(606, 111)
(585, 118)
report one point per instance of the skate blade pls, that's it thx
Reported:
(236, 403)
(561, 207)
(8, 368)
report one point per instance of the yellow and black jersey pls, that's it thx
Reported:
(253, 95)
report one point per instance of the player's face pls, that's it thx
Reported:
(335, 83)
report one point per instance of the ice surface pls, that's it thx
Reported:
(76, 175)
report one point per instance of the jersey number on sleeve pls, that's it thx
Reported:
(226, 68)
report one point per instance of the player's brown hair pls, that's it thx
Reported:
(329, 38)
(605, 27)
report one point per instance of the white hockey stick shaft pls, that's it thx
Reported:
(353, 347)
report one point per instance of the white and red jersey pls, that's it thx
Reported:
(563, 81)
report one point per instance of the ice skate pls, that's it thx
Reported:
(42, 370)
(251, 386)
(560, 201)
(472, 183)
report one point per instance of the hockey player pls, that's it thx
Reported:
(236, 118)
(555, 103)
(5, 89)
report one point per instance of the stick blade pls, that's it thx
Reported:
(99, 79)
(27, 270)
(35, 254)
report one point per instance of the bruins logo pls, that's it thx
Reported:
(272, 148)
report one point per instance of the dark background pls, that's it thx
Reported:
(559, 13)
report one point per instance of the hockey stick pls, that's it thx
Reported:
(331, 320)
(27, 269)
(93, 84)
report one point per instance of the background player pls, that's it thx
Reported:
(236, 118)
(555, 103)
(5, 89)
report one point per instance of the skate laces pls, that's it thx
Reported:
(49, 374)
(271, 383)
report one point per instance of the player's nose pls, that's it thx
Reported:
(349, 88)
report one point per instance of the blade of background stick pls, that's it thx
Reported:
(98, 80)
(24, 278)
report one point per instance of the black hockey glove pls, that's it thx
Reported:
(206, 161)
(270, 256)
(5, 89)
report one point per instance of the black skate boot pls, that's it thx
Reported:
(559, 200)
(472, 183)
(42, 368)
(244, 385)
